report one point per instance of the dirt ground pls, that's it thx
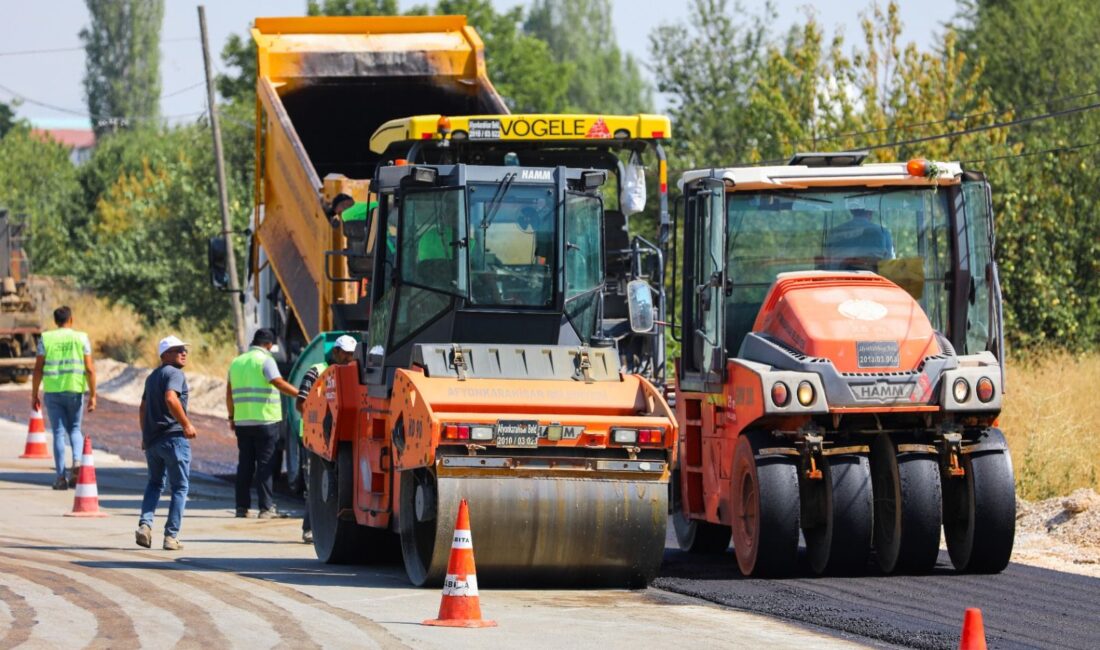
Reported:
(1062, 533)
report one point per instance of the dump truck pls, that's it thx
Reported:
(483, 377)
(842, 368)
(323, 86)
(20, 326)
(628, 147)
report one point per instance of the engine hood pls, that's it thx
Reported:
(860, 321)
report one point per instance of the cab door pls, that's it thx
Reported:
(976, 322)
(704, 286)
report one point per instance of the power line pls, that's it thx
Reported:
(962, 132)
(957, 118)
(21, 97)
(1035, 153)
(81, 48)
(183, 90)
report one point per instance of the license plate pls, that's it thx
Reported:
(517, 433)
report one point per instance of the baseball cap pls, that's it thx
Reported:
(345, 343)
(167, 343)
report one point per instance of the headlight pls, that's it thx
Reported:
(805, 393)
(961, 390)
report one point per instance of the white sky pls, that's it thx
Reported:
(55, 78)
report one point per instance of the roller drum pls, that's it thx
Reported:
(584, 531)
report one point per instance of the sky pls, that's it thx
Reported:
(51, 81)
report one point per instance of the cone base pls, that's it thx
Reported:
(459, 622)
(36, 456)
(87, 514)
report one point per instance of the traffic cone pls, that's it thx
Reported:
(86, 501)
(36, 437)
(460, 606)
(973, 632)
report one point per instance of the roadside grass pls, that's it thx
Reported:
(1051, 418)
(118, 333)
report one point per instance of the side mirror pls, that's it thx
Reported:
(217, 256)
(639, 299)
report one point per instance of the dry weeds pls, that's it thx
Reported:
(1052, 420)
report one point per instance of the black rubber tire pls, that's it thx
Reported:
(907, 512)
(840, 543)
(693, 535)
(335, 540)
(979, 510)
(418, 538)
(765, 508)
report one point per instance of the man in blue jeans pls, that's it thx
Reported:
(166, 432)
(64, 371)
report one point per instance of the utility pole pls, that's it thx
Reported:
(235, 294)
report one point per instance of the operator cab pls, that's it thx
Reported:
(476, 254)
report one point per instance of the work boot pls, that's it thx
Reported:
(171, 544)
(242, 513)
(61, 483)
(272, 513)
(74, 474)
(307, 536)
(144, 536)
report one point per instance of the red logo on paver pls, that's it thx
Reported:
(598, 130)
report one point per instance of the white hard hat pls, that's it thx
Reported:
(167, 343)
(345, 343)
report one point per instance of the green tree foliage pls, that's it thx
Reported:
(155, 204)
(352, 8)
(238, 55)
(1041, 57)
(7, 118)
(37, 179)
(122, 73)
(580, 33)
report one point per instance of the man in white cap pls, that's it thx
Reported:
(166, 434)
(343, 351)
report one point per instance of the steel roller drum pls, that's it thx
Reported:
(559, 531)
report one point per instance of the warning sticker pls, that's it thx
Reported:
(484, 130)
(598, 130)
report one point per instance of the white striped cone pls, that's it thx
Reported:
(460, 606)
(37, 442)
(86, 500)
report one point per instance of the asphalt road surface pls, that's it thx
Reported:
(1023, 607)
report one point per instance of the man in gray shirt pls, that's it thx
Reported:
(166, 434)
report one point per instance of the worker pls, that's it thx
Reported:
(166, 432)
(64, 370)
(859, 243)
(536, 220)
(255, 415)
(343, 351)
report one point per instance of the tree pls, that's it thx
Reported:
(7, 118)
(352, 8)
(122, 73)
(580, 33)
(238, 53)
(1041, 57)
(38, 179)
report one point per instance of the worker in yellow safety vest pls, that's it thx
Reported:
(255, 415)
(343, 351)
(64, 370)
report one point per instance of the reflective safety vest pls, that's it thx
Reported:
(319, 367)
(63, 371)
(255, 400)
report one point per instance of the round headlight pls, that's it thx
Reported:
(781, 395)
(961, 390)
(984, 389)
(805, 393)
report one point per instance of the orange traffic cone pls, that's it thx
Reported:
(973, 633)
(460, 606)
(86, 501)
(36, 437)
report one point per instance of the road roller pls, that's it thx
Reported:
(842, 368)
(484, 376)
